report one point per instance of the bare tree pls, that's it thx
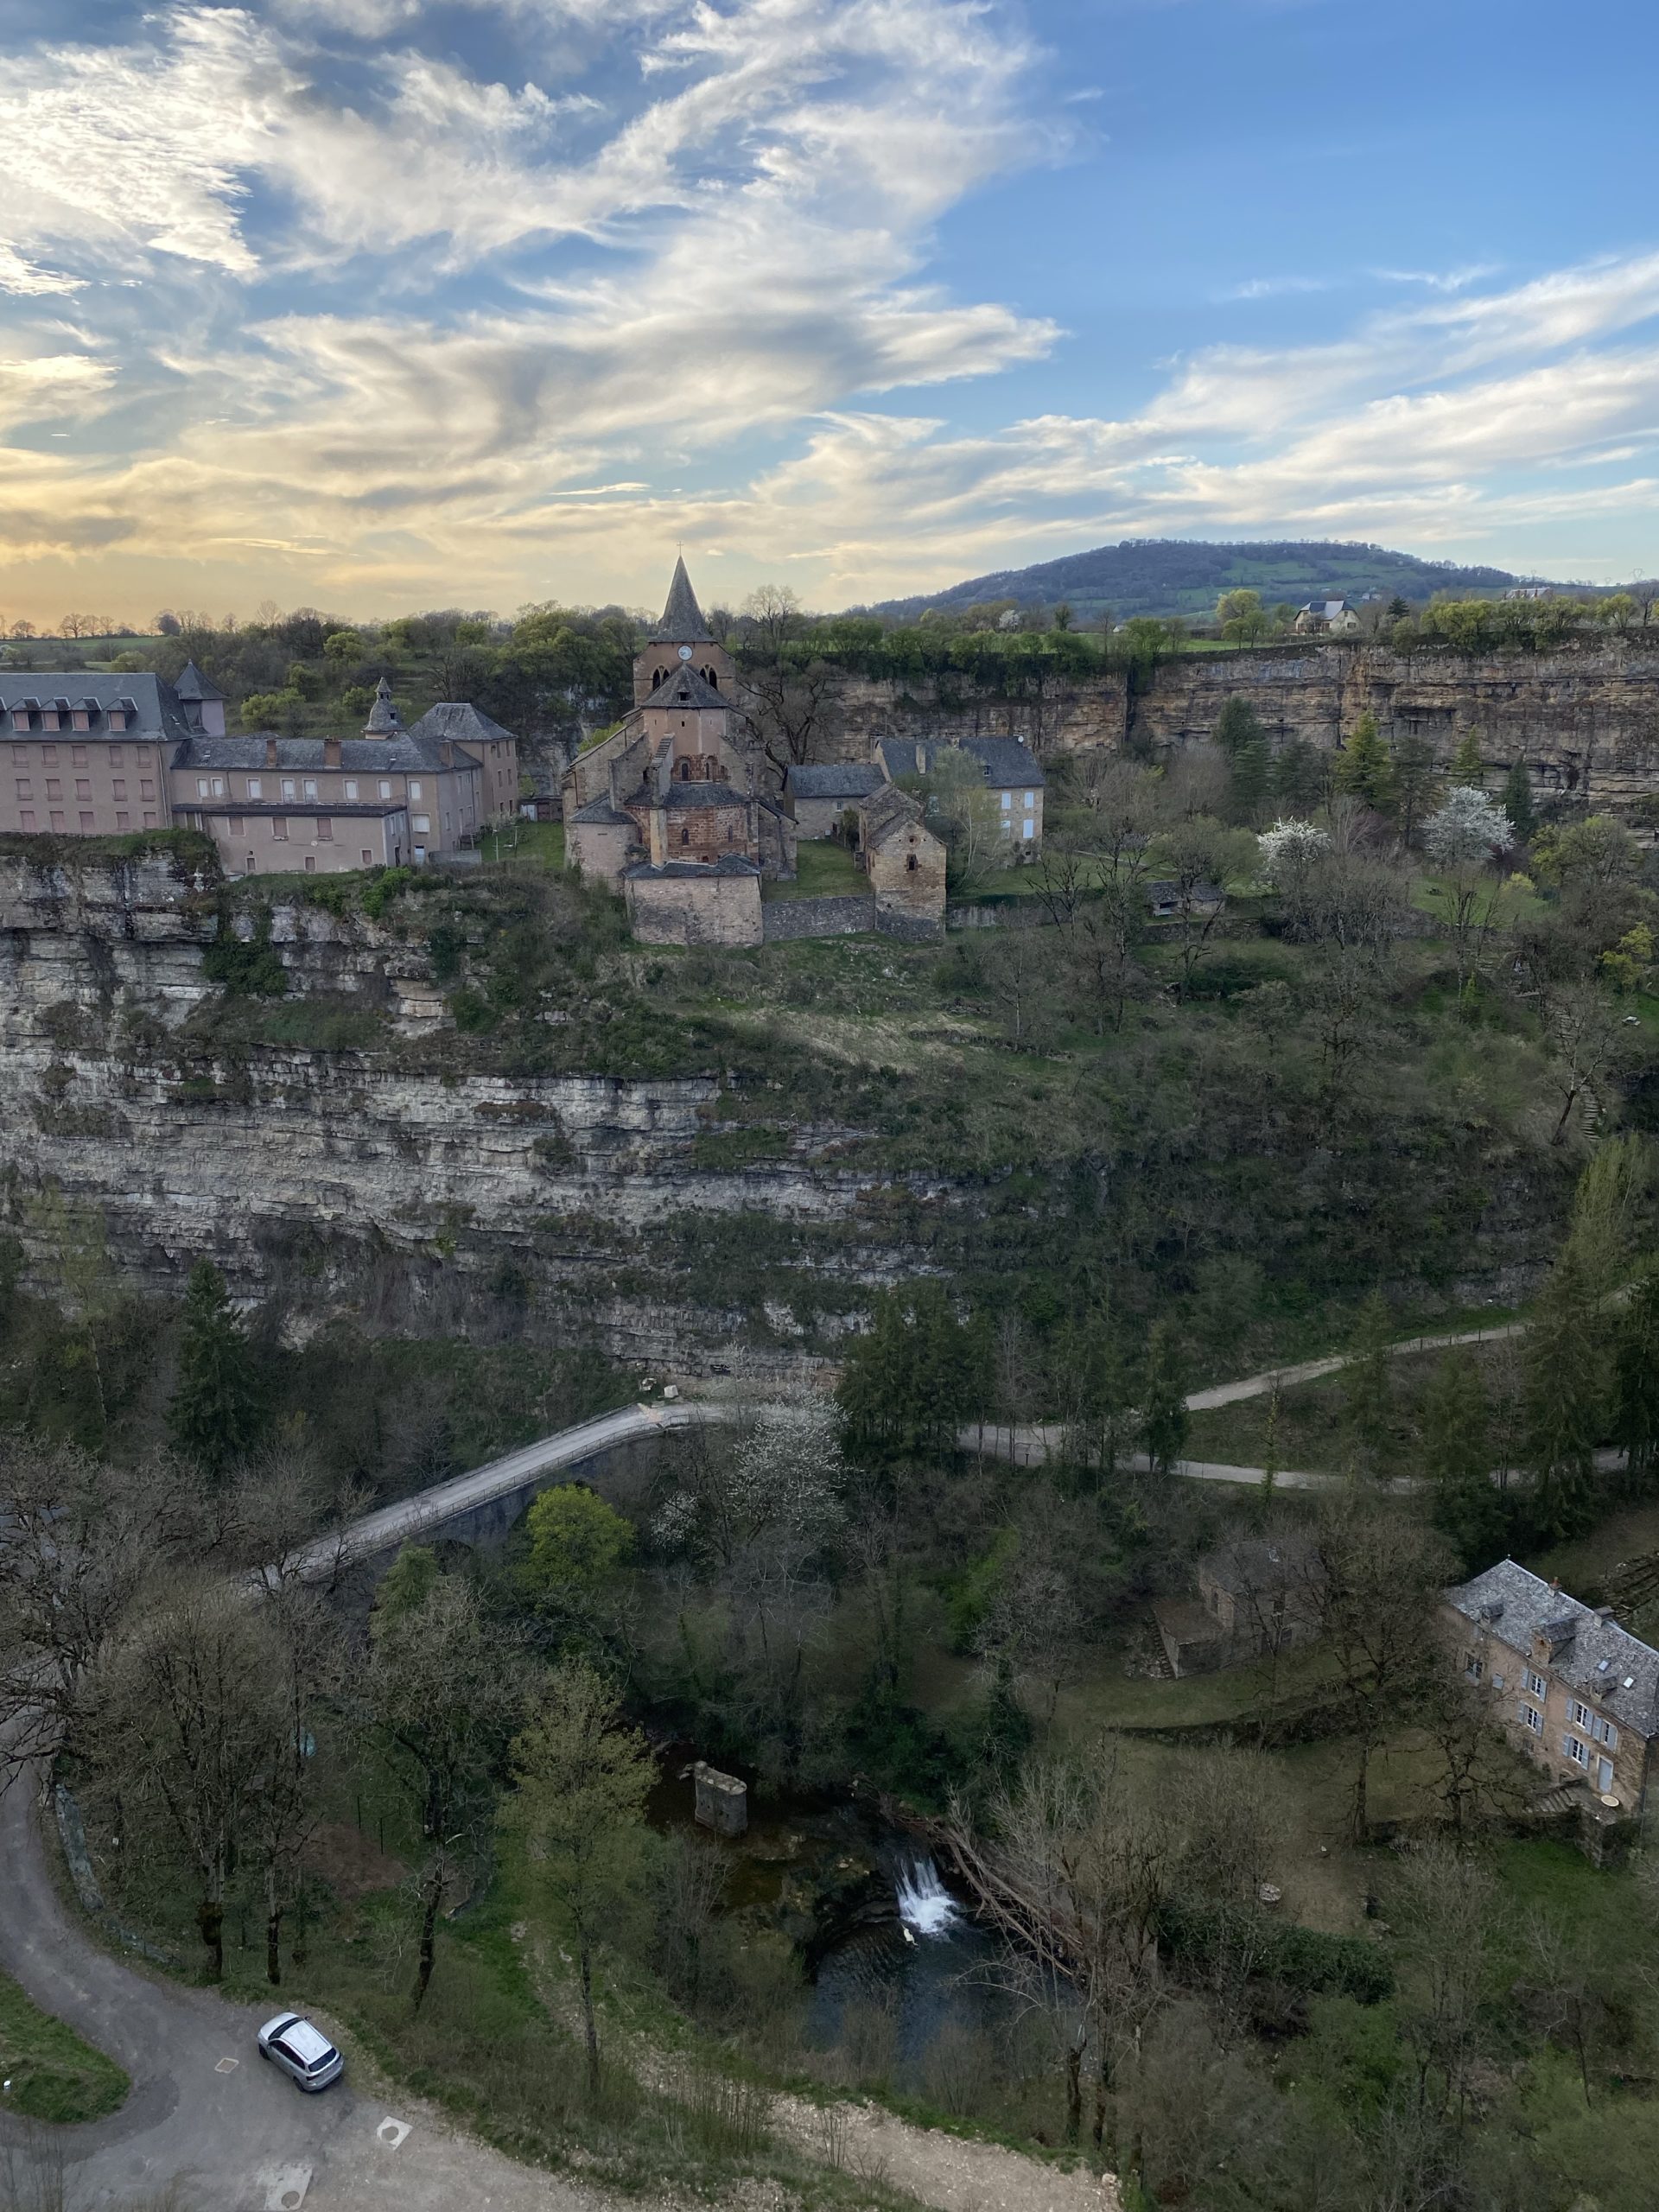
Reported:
(1441, 1906)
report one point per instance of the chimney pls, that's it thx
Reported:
(270, 752)
(331, 753)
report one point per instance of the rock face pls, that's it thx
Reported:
(1585, 719)
(357, 1183)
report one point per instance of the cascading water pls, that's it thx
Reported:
(925, 1906)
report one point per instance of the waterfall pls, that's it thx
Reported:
(924, 1904)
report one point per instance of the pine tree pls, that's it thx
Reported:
(1637, 1380)
(1238, 725)
(1517, 801)
(1467, 767)
(1413, 783)
(214, 1410)
(1252, 779)
(1364, 769)
(1163, 1399)
(1299, 772)
(1457, 1457)
(1367, 1382)
(1566, 1397)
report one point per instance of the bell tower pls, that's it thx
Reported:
(683, 640)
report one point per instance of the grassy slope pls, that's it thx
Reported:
(53, 2075)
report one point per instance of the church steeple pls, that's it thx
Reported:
(384, 718)
(682, 623)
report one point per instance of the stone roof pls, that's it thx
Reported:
(1005, 763)
(1590, 1654)
(157, 713)
(682, 796)
(728, 864)
(840, 779)
(460, 722)
(604, 814)
(682, 623)
(886, 810)
(358, 755)
(1258, 1563)
(193, 686)
(384, 718)
(683, 687)
(1163, 893)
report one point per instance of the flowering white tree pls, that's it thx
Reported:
(1467, 829)
(1288, 849)
(1463, 838)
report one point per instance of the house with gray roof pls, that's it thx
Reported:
(1006, 766)
(87, 752)
(1574, 1690)
(819, 797)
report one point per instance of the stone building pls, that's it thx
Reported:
(1255, 1596)
(97, 755)
(904, 861)
(1574, 1690)
(674, 809)
(326, 804)
(1006, 766)
(820, 797)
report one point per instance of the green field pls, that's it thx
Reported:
(824, 870)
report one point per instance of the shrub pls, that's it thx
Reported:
(247, 966)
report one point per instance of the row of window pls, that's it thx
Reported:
(83, 788)
(80, 755)
(59, 714)
(1007, 801)
(292, 787)
(57, 823)
(1582, 1716)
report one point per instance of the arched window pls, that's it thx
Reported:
(685, 836)
(709, 769)
(685, 771)
(910, 863)
(656, 678)
(711, 676)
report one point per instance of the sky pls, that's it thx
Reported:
(375, 305)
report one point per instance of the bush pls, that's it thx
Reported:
(1300, 1958)
(247, 966)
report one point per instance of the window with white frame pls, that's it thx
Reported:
(256, 787)
(201, 786)
(423, 823)
(1579, 1714)
(1007, 802)
(1532, 1719)
(414, 790)
(1577, 1752)
(1474, 1665)
(386, 786)
(310, 787)
(288, 788)
(351, 786)
(1536, 1685)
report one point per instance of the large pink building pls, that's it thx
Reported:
(91, 754)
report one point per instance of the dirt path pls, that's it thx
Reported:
(947, 2171)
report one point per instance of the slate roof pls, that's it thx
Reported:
(358, 755)
(1598, 1659)
(842, 779)
(601, 812)
(460, 722)
(728, 864)
(683, 796)
(1169, 894)
(684, 687)
(1006, 764)
(1256, 1563)
(886, 810)
(159, 713)
(682, 623)
(193, 686)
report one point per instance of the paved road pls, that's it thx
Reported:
(428, 1509)
(1284, 1378)
(242, 2139)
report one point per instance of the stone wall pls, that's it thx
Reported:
(689, 910)
(783, 918)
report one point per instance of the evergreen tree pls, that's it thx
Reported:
(1252, 779)
(1238, 725)
(1364, 768)
(1163, 1399)
(1457, 1457)
(1299, 772)
(213, 1413)
(1467, 767)
(1367, 1382)
(1637, 1380)
(1517, 801)
(1413, 783)
(1565, 1400)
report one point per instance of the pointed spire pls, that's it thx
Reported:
(193, 686)
(682, 623)
(384, 720)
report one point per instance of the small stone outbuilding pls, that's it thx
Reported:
(904, 862)
(694, 902)
(820, 797)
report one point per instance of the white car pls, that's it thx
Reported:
(290, 2041)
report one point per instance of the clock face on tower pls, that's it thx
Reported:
(685, 652)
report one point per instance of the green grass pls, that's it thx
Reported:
(824, 870)
(53, 2075)
(540, 844)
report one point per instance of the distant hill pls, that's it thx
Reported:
(1165, 575)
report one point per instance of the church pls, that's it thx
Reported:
(674, 809)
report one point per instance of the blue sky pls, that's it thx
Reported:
(373, 304)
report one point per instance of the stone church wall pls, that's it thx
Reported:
(684, 910)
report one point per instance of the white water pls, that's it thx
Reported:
(925, 1903)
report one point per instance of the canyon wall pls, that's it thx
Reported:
(1586, 719)
(364, 1185)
